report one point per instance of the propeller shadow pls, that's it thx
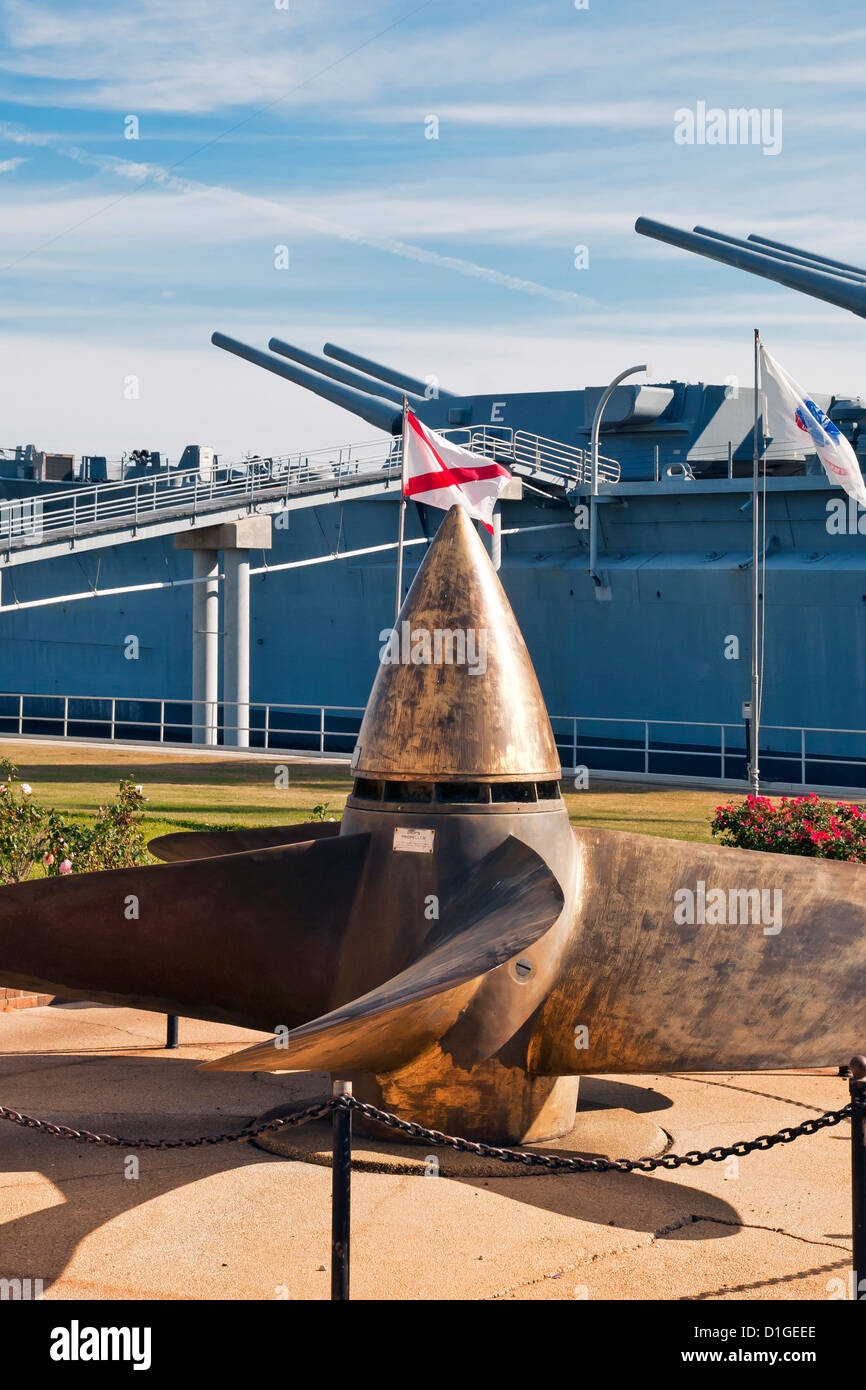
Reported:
(91, 1188)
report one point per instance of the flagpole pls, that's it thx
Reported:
(402, 513)
(754, 772)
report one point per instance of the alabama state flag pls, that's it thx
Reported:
(440, 473)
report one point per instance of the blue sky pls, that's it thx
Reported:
(305, 127)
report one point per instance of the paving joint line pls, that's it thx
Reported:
(773, 1230)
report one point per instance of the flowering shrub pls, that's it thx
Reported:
(26, 831)
(797, 825)
(31, 835)
(114, 841)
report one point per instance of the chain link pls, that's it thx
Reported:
(552, 1162)
(113, 1141)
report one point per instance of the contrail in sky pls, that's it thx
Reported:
(174, 183)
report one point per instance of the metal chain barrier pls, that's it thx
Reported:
(342, 1103)
(562, 1163)
(114, 1141)
(552, 1162)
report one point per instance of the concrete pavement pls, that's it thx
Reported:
(234, 1222)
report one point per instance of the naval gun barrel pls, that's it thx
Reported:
(826, 261)
(374, 409)
(344, 374)
(832, 287)
(786, 253)
(402, 380)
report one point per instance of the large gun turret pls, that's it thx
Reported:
(833, 285)
(402, 380)
(374, 409)
(344, 374)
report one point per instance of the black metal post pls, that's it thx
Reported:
(341, 1191)
(857, 1088)
(171, 1030)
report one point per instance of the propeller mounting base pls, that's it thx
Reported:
(488, 1101)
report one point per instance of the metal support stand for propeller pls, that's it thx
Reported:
(341, 1193)
(857, 1087)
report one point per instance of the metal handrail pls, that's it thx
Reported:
(136, 501)
(359, 709)
(535, 452)
(569, 460)
(133, 502)
(321, 730)
(643, 745)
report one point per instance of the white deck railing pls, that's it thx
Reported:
(534, 454)
(81, 510)
(702, 750)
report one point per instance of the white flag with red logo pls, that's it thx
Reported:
(441, 473)
(791, 416)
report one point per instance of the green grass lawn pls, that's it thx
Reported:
(192, 793)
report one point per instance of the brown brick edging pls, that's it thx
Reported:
(21, 999)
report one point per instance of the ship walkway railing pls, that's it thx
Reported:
(534, 455)
(676, 463)
(92, 516)
(641, 750)
(33, 525)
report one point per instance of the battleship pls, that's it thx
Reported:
(641, 646)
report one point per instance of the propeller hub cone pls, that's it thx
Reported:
(456, 697)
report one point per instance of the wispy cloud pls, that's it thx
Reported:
(217, 55)
(556, 128)
(522, 115)
(142, 173)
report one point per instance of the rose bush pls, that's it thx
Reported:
(794, 825)
(26, 831)
(30, 835)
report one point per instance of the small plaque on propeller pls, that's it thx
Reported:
(416, 841)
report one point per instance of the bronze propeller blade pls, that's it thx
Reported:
(208, 844)
(246, 938)
(771, 977)
(510, 904)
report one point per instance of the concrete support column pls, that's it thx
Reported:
(235, 539)
(512, 492)
(205, 645)
(496, 540)
(236, 648)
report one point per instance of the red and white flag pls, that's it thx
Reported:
(440, 473)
